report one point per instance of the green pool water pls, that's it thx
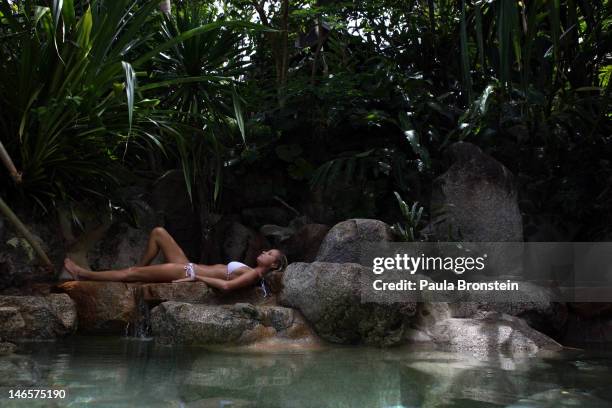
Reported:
(122, 372)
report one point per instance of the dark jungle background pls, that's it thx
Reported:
(262, 111)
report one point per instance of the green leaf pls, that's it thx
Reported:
(57, 12)
(182, 80)
(130, 85)
(238, 113)
(195, 32)
(68, 12)
(84, 27)
(40, 12)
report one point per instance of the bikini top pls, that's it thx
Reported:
(232, 266)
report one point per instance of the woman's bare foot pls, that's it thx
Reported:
(73, 268)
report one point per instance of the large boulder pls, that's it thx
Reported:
(241, 323)
(192, 292)
(329, 297)
(19, 265)
(103, 307)
(117, 243)
(342, 243)
(242, 244)
(276, 234)
(36, 317)
(531, 303)
(121, 247)
(491, 333)
(117, 307)
(476, 199)
(304, 244)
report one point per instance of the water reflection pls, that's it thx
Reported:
(117, 372)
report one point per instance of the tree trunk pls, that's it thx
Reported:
(23, 230)
(6, 159)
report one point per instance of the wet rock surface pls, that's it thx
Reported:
(113, 307)
(491, 333)
(193, 292)
(329, 297)
(532, 303)
(102, 307)
(19, 265)
(343, 242)
(241, 243)
(36, 317)
(238, 324)
(304, 244)
(476, 199)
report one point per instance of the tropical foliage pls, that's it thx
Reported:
(352, 100)
(395, 82)
(83, 103)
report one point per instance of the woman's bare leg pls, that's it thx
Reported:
(154, 273)
(160, 239)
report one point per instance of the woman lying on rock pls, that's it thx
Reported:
(228, 277)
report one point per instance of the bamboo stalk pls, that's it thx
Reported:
(23, 230)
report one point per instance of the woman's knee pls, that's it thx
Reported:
(159, 233)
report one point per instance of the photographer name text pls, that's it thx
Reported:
(424, 264)
(461, 284)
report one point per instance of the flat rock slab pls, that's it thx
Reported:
(192, 292)
(109, 307)
(242, 323)
(531, 302)
(36, 317)
(491, 334)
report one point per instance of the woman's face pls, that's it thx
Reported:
(269, 258)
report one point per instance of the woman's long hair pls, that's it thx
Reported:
(282, 263)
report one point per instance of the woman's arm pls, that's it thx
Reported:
(242, 281)
(188, 279)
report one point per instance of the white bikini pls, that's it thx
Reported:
(232, 266)
(189, 271)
